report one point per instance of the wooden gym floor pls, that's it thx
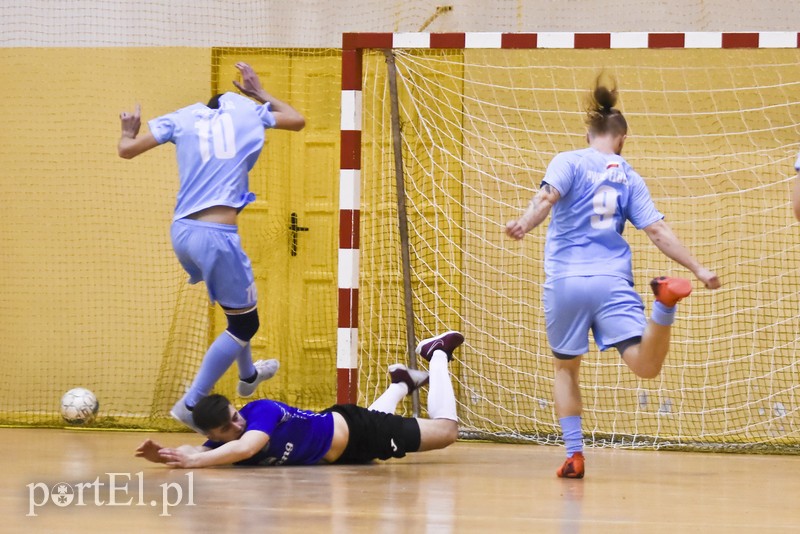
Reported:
(469, 487)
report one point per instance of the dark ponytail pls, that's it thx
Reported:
(601, 115)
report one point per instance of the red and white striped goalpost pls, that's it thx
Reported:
(353, 45)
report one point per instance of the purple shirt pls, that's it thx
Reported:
(296, 437)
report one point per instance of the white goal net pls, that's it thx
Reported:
(713, 132)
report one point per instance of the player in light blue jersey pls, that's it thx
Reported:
(267, 432)
(217, 144)
(796, 190)
(592, 193)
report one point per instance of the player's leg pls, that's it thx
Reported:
(232, 344)
(244, 363)
(215, 254)
(377, 433)
(190, 241)
(441, 427)
(218, 358)
(242, 326)
(646, 358)
(569, 409)
(436, 433)
(570, 305)
(231, 283)
(404, 382)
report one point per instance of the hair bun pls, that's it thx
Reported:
(604, 97)
(602, 116)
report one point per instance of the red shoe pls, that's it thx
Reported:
(669, 291)
(573, 467)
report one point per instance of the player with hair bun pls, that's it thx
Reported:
(592, 192)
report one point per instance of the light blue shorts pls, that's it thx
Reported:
(213, 253)
(608, 305)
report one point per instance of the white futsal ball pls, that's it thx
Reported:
(79, 406)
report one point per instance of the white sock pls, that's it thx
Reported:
(441, 397)
(387, 403)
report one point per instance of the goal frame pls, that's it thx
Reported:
(353, 46)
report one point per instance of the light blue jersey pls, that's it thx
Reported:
(599, 193)
(797, 163)
(216, 148)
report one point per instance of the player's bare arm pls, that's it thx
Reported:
(231, 452)
(131, 144)
(668, 243)
(537, 211)
(151, 451)
(286, 117)
(796, 196)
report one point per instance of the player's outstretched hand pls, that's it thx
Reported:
(709, 278)
(150, 450)
(131, 122)
(515, 230)
(177, 458)
(251, 84)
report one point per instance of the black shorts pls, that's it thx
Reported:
(376, 435)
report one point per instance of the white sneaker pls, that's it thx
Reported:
(184, 415)
(413, 378)
(266, 369)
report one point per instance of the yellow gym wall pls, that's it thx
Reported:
(94, 296)
(88, 277)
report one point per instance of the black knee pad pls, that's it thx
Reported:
(243, 326)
